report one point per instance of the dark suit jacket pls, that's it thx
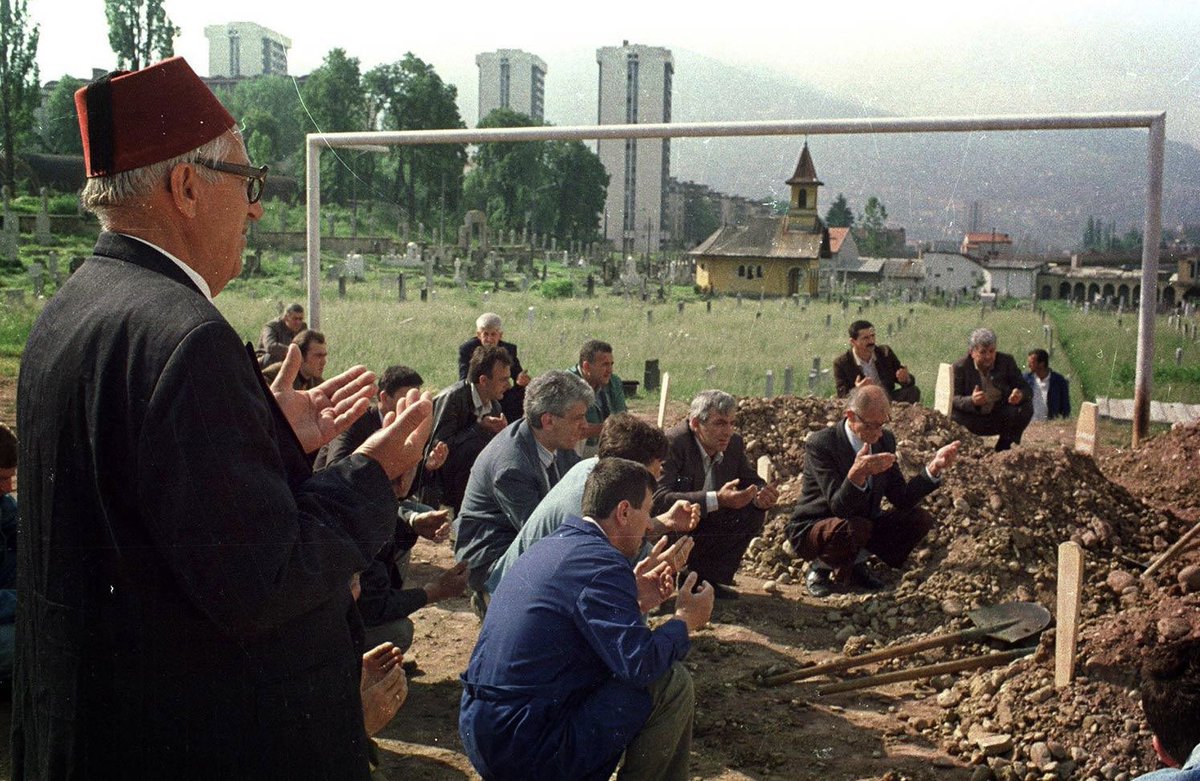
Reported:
(273, 342)
(183, 575)
(506, 484)
(683, 471)
(1058, 395)
(846, 371)
(1005, 376)
(454, 423)
(826, 493)
(383, 597)
(513, 402)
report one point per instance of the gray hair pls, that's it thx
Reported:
(866, 397)
(487, 321)
(706, 402)
(981, 337)
(295, 308)
(555, 392)
(101, 194)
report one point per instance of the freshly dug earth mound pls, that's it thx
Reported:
(1001, 517)
(1163, 470)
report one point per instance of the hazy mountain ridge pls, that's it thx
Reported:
(1041, 186)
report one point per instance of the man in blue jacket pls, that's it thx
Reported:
(1051, 395)
(566, 676)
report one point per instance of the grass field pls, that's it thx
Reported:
(739, 342)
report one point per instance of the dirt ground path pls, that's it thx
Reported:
(741, 731)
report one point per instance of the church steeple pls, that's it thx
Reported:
(802, 213)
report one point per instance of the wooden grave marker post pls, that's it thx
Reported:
(1066, 636)
(943, 394)
(1085, 429)
(662, 398)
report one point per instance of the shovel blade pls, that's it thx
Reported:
(1014, 621)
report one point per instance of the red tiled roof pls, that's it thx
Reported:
(988, 238)
(836, 237)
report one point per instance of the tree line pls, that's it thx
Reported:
(871, 224)
(554, 188)
(1102, 236)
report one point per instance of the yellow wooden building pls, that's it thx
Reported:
(772, 256)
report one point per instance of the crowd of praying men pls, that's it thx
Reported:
(210, 570)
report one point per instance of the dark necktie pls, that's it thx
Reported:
(552, 474)
(602, 403)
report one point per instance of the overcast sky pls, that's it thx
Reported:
(905, 58)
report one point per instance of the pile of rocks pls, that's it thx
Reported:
(1016, 726)
(1163, 469)
(1001, 517)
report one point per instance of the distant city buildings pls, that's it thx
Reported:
(512, 79)
(635, 88)
(239, 49)
(988, 245)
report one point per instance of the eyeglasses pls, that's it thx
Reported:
(256, 178)
(868, 425)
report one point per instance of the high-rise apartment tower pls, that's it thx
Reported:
(245, 49)
(512, 79)
(635, 88)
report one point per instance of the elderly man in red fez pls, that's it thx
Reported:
(184, 576)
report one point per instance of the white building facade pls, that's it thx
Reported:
(952, 273)
(240, 49)
(635, 88)
(512, 79)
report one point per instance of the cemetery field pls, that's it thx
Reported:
(732, 347)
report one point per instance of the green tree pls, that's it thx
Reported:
(874, 224)
(18, 81)
(509, 177)
(59, 128)
(409, 95)
(1132, 240)
(839, 214)
(334, 102)
(700, 218)
(268, 109)
(139, 32)
(579, 183)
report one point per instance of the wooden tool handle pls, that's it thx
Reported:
(891, 652)
(928, 671)
(1172, 551)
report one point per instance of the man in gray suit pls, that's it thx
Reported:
(516, 469)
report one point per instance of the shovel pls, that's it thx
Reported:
(1008, 623)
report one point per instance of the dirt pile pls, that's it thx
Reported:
(1092, 729)
(1163, 469)
(1001, 517)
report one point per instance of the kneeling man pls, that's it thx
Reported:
(566, 676)
(848, 469)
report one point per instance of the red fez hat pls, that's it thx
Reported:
(131, 119)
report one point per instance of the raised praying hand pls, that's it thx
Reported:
(320, 414)
(682, 517)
